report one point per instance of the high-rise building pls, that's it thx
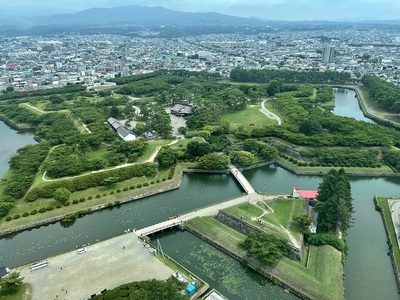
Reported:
(328, 54)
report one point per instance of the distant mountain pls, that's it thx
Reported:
(146, 16)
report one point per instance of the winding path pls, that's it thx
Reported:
(270, 114)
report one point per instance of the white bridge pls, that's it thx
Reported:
(242, 180)
(158, 227)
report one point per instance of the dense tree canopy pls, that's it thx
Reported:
(169, 289)
(264, 76)
(267, 248)
(334, 206)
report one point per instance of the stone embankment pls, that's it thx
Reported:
(15, 126)
(385, 225)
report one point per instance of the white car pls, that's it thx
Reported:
(80, 251)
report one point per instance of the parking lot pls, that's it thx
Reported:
(104, 265)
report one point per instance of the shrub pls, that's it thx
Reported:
(8, 219)
(58, 205)
(164, 179)
(75, 201)
(336, 165)
(90, 197)
(17, 216)
(25, 214)
(98, 196)
(117, 203)
(67, 203)
(33, 212)
(110, 204)
(112, 192)
(138, 185)
(326, 239)
(132, 187)
(49, 208)
(42, 210)
(82, 200)
(125, 189)
(152, 182)
(158, 180)
(119, 191)
(311, 164)
(105, 194)
(378, 165)
(146, 184)
(295, 161)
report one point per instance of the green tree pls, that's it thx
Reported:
(267, 248)
(197, 148)
(242, 158)
(310, 127)
(214, 161)
(167, 156)
(62, 194)
(334, 206)
(9, 89)
(303, 221)
(10, 283)
(110, 180)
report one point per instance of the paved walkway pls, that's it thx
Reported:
(270, 114)
(105, 265)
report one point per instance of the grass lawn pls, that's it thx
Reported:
(215, 230)
(383, 203)
(250, 118)
(19, 294)
(284, 211)
(32, 109)
(322, 279)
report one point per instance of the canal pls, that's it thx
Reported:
(368, 272)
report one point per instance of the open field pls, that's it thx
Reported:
(250, 118)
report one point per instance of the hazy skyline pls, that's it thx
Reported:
(267, 9)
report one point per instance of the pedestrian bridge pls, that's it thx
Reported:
(158, 227)
(242, 180)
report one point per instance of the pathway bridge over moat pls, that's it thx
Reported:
(242, 180)
(211, 210)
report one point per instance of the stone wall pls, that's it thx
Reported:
(385, 224)
(246, 228)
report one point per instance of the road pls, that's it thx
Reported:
(270, 114)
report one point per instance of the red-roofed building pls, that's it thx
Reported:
(305, 194)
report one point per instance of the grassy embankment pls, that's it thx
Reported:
(319, 277)
(392, 237)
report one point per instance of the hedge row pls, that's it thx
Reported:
(317, 164)
(90, 180)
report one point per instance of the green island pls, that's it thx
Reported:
(82, 163)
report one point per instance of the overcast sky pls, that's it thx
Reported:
(268, 9)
